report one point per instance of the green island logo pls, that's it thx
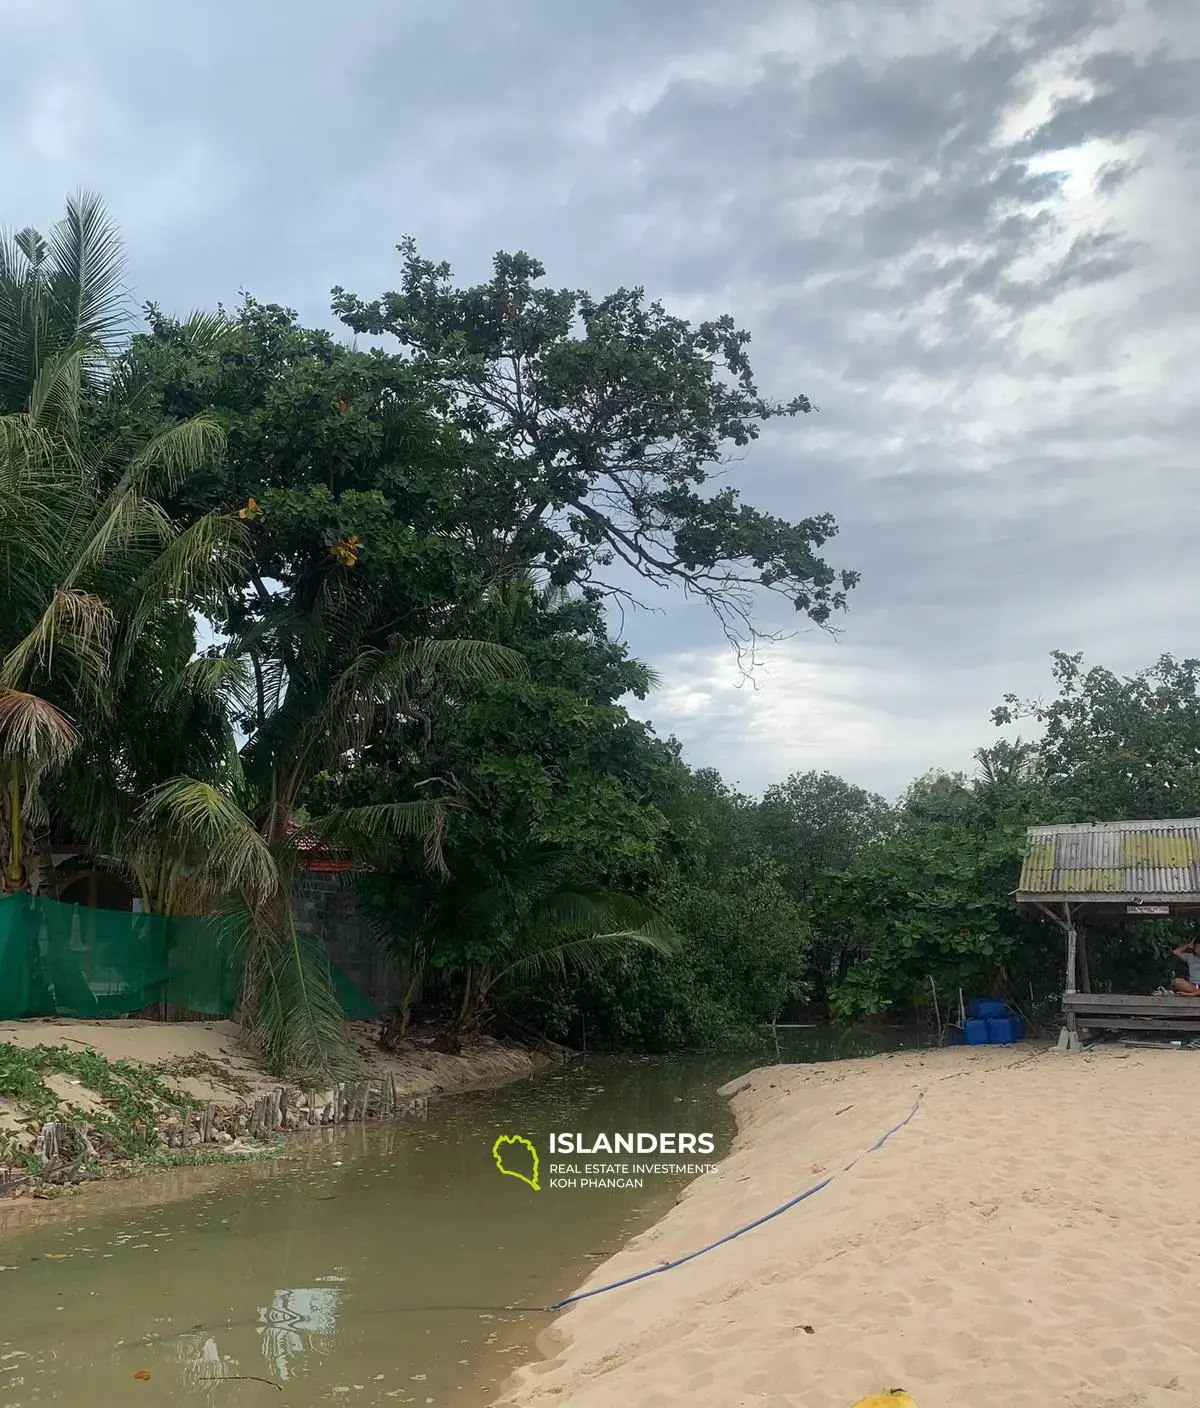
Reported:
(512, 1172)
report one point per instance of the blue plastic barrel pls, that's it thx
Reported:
(976, 1031)
(1002, 1031)
(988, 1007)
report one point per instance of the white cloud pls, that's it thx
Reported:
(865, 714)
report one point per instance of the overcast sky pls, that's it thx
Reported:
(967, 231)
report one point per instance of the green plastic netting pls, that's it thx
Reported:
(62, 960)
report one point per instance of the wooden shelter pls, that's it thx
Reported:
(1100, 872)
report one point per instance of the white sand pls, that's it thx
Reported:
(1028, 1240)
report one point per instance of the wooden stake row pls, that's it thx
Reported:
(349, 1102)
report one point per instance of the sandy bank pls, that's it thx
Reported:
(208, 1065)
(206, 1061)
(1026, 1241)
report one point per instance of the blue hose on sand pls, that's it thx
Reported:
(749, 1227)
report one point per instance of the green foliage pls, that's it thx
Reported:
(814, 822)
(745, 939)
(299, 1021)
(92, 569)
(405, 556)
(744, 955)
(934, 900)
(132, 1096)
(330, 459)
(1118, 748)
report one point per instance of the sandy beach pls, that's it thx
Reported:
(1025, 1241)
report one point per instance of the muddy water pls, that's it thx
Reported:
(371, 1266)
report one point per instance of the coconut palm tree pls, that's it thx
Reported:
(64, 309)
(83, 573)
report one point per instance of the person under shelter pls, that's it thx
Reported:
(1189, 954)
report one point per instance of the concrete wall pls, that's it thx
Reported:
(325, 904)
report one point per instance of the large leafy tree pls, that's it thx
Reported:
(815, 821)
(934, 897)
(341, 616)
(597, 425)
(387, 500)
(810, 824)
(931, 898)
(333, 460)
(1118, 747)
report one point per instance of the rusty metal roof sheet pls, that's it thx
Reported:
(1113, 860)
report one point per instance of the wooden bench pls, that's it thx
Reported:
(1119, 1012)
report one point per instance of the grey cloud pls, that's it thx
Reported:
(1132, 93)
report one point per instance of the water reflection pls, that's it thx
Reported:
(290, 1318)
(201, 1360)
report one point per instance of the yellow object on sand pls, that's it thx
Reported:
(890, 1398)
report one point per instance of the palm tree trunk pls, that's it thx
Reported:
(475, 990)
(15, 877)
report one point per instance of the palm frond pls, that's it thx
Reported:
(452, 661)
(212, 833)
(594, 911)
(125, 520)
(76, 623)
(299, 1026)
(59, 292)
(33, 732)
(218, 679)
(375, 830)
(389, 679)
(193, 567)
(58, 381)
(26, 452)
(89, 266)
(165, 461)
(24, 443)
(589, 953)
(204, 331)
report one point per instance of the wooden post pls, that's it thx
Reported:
(1069, 1038)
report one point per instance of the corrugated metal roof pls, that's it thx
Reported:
(1113, 858)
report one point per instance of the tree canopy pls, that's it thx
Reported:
(597, 425)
